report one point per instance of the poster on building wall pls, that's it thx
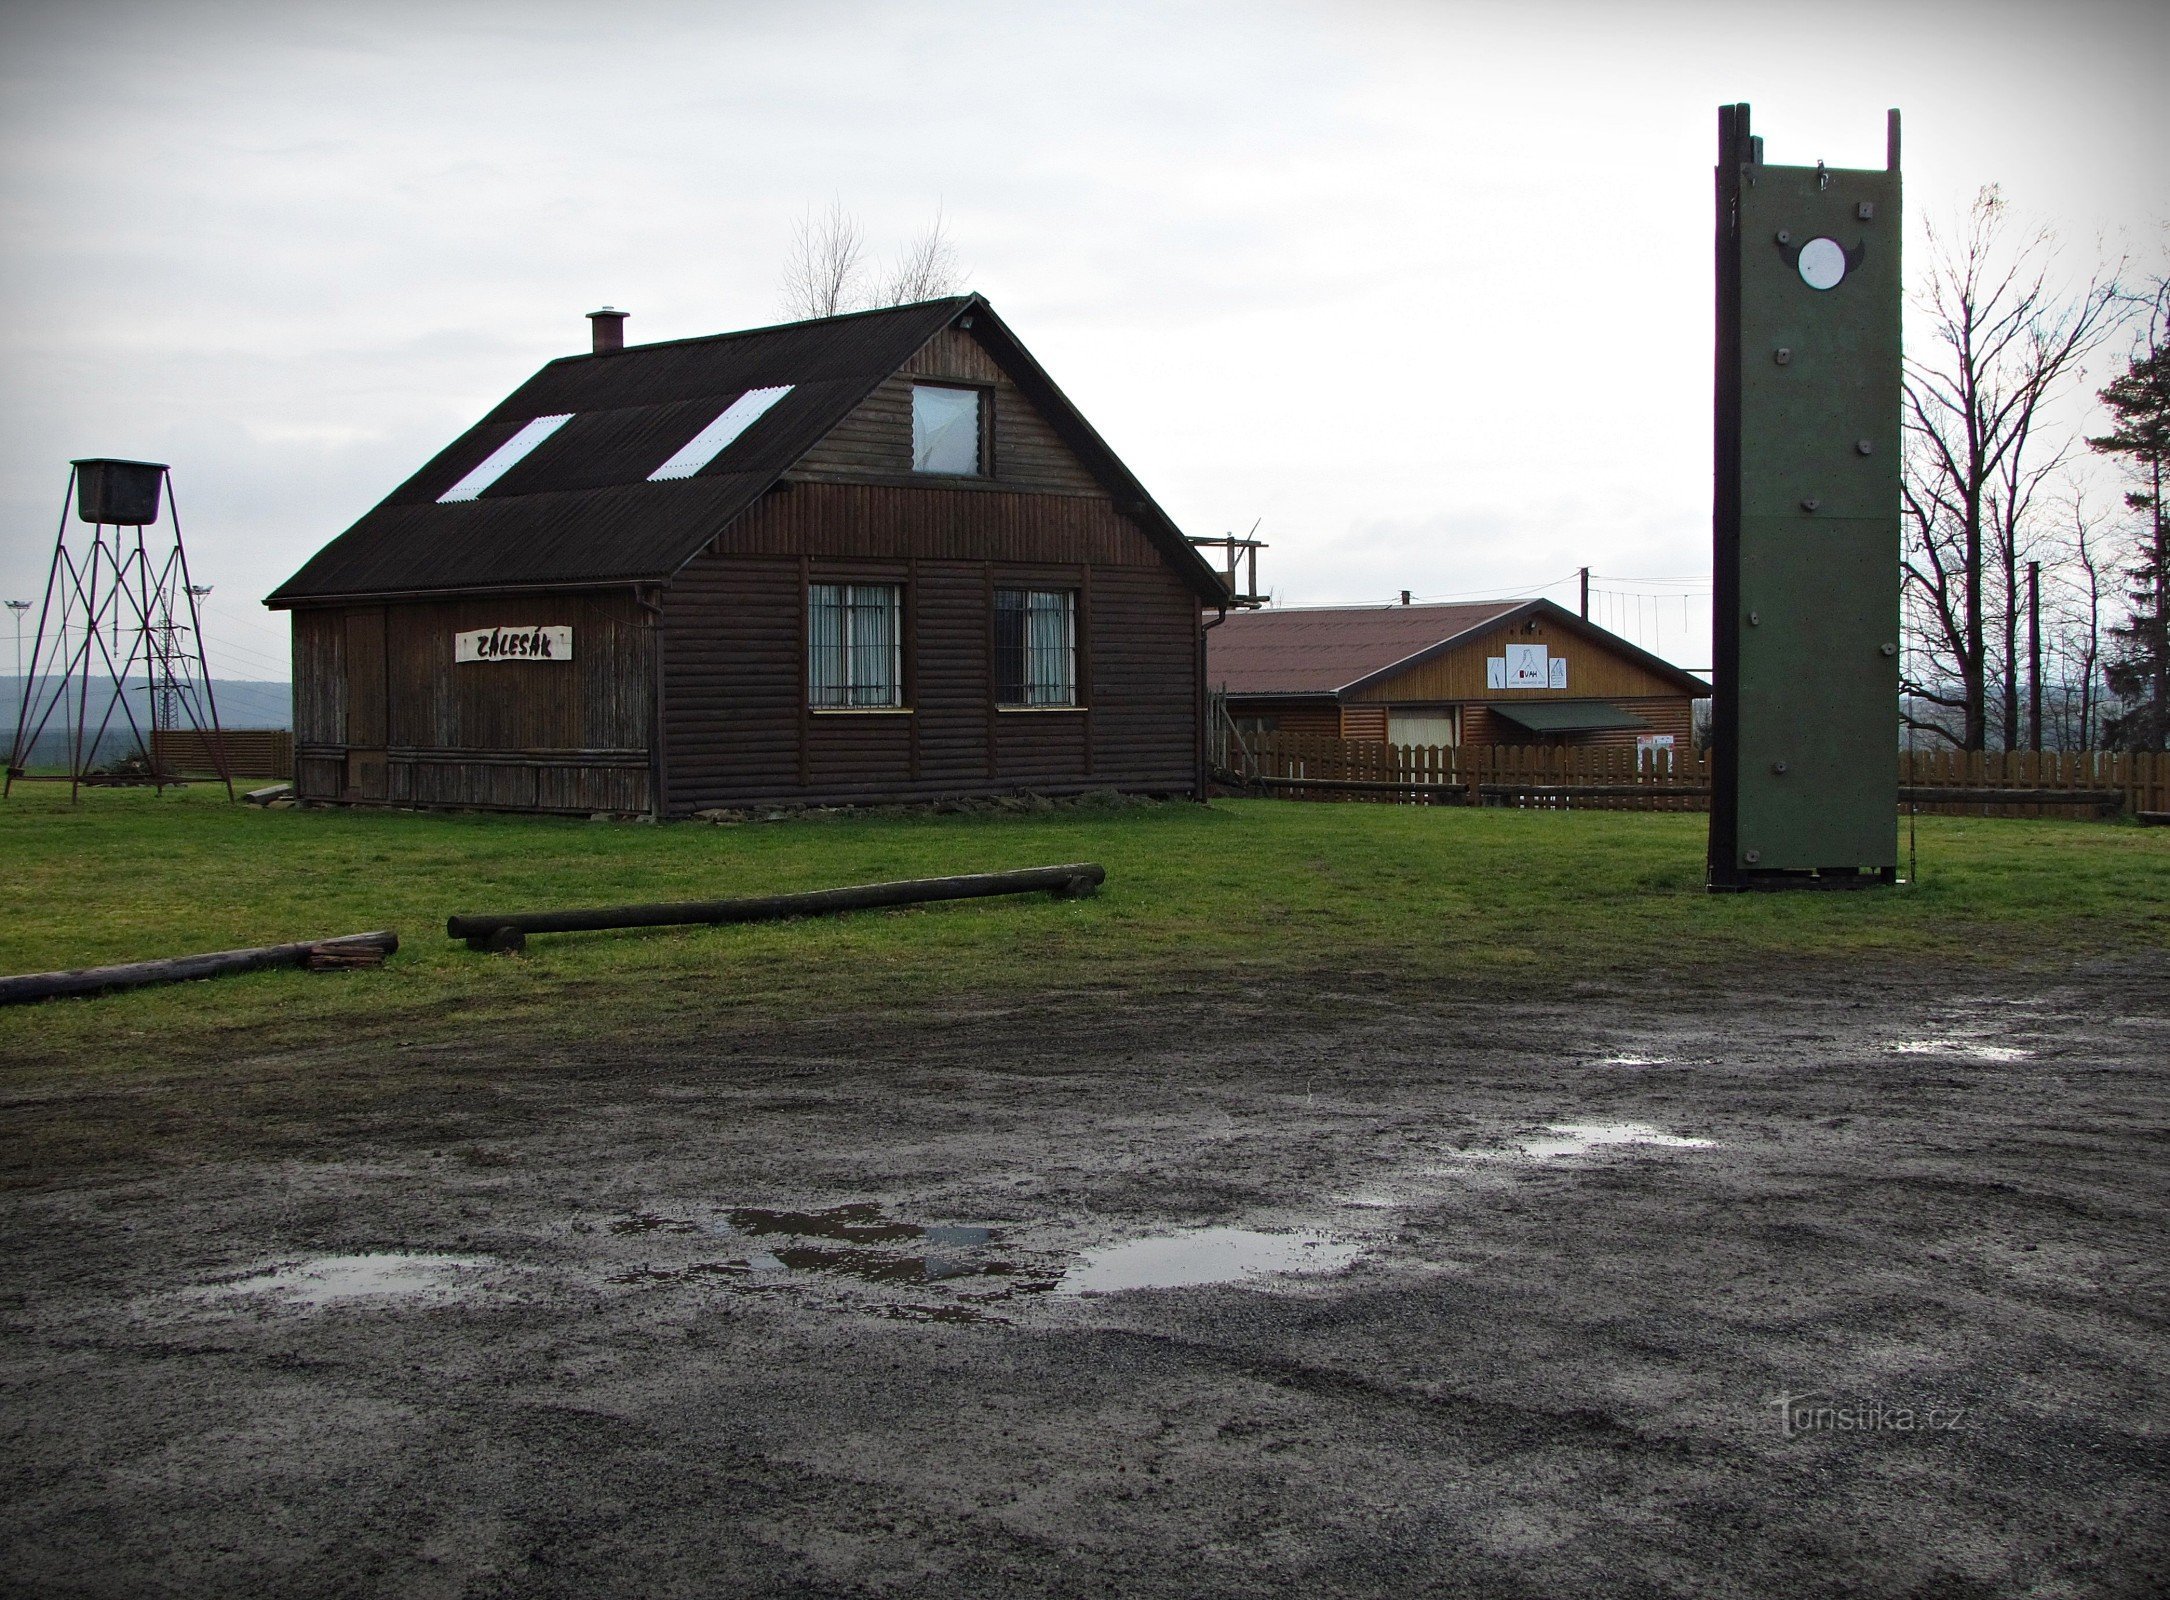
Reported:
(1528, 667)
(1495, 672)
(1559, 672)
(524, 643)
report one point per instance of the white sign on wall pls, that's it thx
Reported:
(1527, 667)
(525, 643)
(1559, 672)
(1495, 672)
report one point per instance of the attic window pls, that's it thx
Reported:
(946, 430)
(503, 459)
(714, 439)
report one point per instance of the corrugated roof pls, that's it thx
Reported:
(580, 507)
(1334, 649)
(1322, 650)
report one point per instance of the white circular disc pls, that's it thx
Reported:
(1823, 263)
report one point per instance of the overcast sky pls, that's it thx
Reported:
(1421, 289)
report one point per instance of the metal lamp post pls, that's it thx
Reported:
(19, 607)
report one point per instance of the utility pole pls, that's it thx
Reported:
(1586, 594)
(2034, 655)
(196, 593)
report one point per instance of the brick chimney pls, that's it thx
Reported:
(609, 326)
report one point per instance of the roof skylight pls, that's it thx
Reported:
(712, 440)
(504, 458)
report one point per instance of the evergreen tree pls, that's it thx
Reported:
(2138, 665)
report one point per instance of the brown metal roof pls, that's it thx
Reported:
(1325, 649)
(1330, 650)
(579, 509)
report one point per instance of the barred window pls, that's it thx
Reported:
(1035, 647)
(853, 646)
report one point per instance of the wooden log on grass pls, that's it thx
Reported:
(1594, 791)
(1450, 793)
(509, 930)
(351, 950)
(1928, 794)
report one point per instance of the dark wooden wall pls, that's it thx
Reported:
(737, 727)
(875, 441)
(1313, 717)
(383, 714)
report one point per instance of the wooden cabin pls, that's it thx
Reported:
(1505, 672)
(865, 558)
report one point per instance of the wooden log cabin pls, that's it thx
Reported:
(1505, 672)
(875, 557)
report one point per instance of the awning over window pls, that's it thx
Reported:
(1566, 716)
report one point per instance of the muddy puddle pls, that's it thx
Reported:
(1205, 1256)
(857, 1242)
(327, 1280)
(967, 1267)
(1954, 1045)
(1562, 1140)
(1555, 1141)
(1586, 1138)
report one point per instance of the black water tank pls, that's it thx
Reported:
(123, 492)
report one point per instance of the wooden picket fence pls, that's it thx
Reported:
(1997, 782)
(1620, 778)
(1596, 777)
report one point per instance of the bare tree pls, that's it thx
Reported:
(2007, 342)
(925, 269)
(2074, 572)
(2013, 535)
(2138, 400)
(825, 271)
(2086, 580)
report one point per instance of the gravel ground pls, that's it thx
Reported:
(1854, 1284)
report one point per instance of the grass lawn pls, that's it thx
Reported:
(1244, 891)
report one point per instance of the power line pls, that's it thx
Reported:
(1515, 590)
(232, 651)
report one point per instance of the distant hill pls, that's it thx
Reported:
(241, 704)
